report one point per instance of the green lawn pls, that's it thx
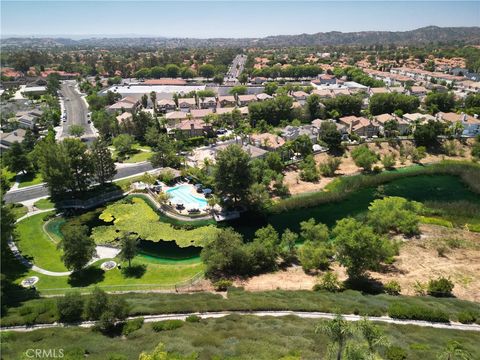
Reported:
(34, 243)
(44, 204)
(18, 210)
(139, 153)
(29, 180)
(231, 337)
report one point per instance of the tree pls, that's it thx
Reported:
(225, 255)
(390, 102)
(388, 161)
(427, 134)
(116, 310)
(78, 248)
(314, 108)
(80, 163)
(314, 255)
(436, 101)
(394, 214)
(309, 171)
(153, 98)
(96, 304)
(76, 130)
(453, 351)
(165, 154)
(372, 333)
(128, 245)
(440, 287)
(263, 251)
(287, 245)
(103, 164)
(218, 79)
(70, 307)
(206, 70)
(364, 157)
(358, 248)
(330, 135)
(274, 161)
(53, 83)
(233, 174)
(339, 331)
(123, 143)
(238, 90)
(144, 100)
(311, 231)
(172, 70)
(270, 88)
(17, 160)
(243, 78)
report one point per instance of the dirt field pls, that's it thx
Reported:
(348, 167)
(419, 260)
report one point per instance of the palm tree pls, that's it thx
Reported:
(339, 331)
(372, 333)
(153, 97)
(454, 350)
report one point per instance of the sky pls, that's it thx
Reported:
(204, 19)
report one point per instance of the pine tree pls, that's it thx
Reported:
(104, 167)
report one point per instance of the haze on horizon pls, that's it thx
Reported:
(209, 19)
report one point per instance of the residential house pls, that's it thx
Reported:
(208, 103)
(166, 105)
(300, 96)
(360, 126)
(187, 104)
(403, 125)
(418, 91)
(26, 121)
(417, 117)
(126, 116)
(341, 128)
(293, 132)
(471, 124)
(244, 100)
(127, 103)
(323, 93)
(336, 92)
(326, 79)
(379, 90)
(258, 80)
(7, 139)
(267, 141)
(34, 90)
(263, 97)
(175, 117)
(193, 127)
(227, 101)
(200, 113)
(397, 89)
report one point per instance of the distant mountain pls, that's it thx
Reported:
(430, 34)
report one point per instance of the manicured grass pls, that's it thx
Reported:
(18, 210)
(35, 244)
(139, 156)
(44, 204)
(231, 337)
(29, 180)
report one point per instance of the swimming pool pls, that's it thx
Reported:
(183, 195)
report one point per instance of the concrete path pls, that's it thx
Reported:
(305, 315)
(103, 252)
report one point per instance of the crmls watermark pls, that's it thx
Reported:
(44, 353)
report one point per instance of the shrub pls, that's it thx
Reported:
(309, 171)
(364, 157)
(467, 317)
(70, 307)
(329, 282)
(440, 287)
(415, 312)
(392, 288)
(193, 319)
(419, 288)
(388, 161)
(329, 167)
(395, 353)
(222, 285)
(167, 325)
(442, 250)
(132, 325)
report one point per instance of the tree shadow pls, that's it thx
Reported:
(86, 277)
(134, 271)
(365, 284)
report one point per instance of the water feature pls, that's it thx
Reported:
(182, 194)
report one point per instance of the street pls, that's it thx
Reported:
(33, 192)
(76, 111)
(235, 69)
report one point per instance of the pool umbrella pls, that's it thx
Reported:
(207, 191)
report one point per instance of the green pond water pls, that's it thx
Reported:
(422, 188)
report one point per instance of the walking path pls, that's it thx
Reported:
(305, 315)
(103, 252)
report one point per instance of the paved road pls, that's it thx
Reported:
(235, 69)
(76, 110)
(305, 315)
(33, 192)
